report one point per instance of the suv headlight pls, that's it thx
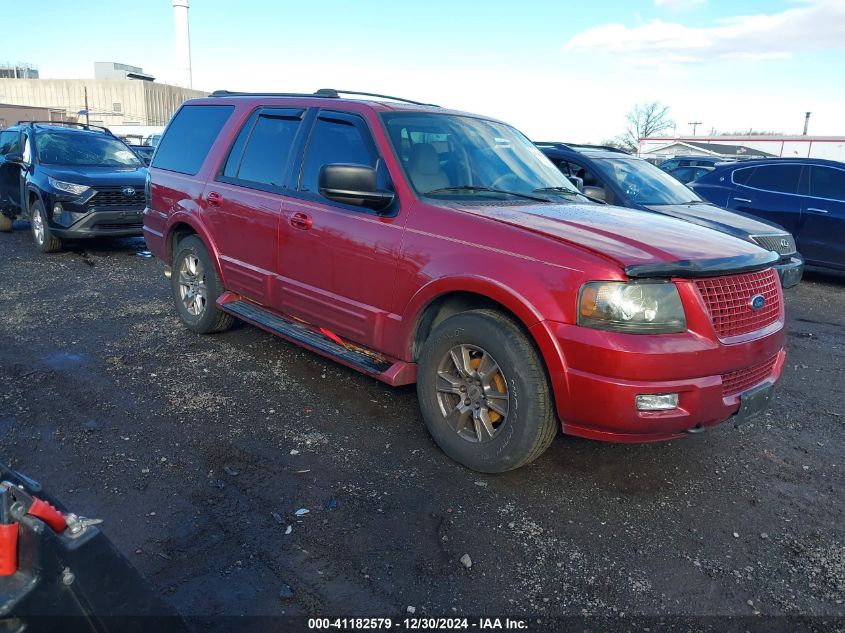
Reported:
(69, 187)
(635, 307)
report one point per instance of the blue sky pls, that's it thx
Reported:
(556, 70)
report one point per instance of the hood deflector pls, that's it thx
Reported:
(705, 267)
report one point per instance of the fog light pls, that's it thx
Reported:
(57, 208)
(657, 402)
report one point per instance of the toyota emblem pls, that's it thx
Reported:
(128, 191)
(757, 302)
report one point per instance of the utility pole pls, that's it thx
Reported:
(87, 118)
(694, 125)
(806, 122)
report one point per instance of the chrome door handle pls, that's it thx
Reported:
(741, 200)
(814, 210)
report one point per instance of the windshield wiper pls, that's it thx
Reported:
(486, 189)
(558, 190)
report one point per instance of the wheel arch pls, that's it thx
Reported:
(183, 227)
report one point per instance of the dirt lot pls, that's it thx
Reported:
(197, 451)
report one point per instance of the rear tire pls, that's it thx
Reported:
(6, 223)
(196, 287)
(43, 237)
(484, 393)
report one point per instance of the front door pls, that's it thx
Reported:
(821, 238)
(242, 205)
(338, 261)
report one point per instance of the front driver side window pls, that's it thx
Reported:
(27, 152)
(335, 141)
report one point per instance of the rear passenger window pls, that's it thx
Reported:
(776, 178)
(826, 182)
(335, 141)
(260, 154)
(189, 137)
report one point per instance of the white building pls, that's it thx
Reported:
(829, 147)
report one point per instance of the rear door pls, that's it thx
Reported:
(243, 203)
(821, 238)
(770, 192)
(338, 261)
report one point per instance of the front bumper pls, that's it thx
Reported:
(791, 272)
(78, 222)
(600, 374)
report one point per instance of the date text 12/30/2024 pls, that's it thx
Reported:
(418, 624)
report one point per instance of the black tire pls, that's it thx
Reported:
(6, 223)
(44, 239)
(202, 317)
(530, 423)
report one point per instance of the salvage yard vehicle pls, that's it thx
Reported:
(616, 177)
(419, 244)
(804, 195)
(71, 180)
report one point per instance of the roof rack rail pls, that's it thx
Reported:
(84, 126)
(577, 146)
(322, 93)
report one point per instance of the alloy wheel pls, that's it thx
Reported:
(472, 393)
(37, 227)
(192, 286)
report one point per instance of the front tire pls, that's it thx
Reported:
(43, 237)
(196, 287)
(484, 393)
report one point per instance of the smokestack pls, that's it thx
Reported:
(183, 42)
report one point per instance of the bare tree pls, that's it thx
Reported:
(645, 119)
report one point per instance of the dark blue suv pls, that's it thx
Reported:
(804, 195)
(612, 176)
(71, 181)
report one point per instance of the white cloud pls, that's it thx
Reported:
(818, 24)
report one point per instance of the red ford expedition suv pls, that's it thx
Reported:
(418, 244)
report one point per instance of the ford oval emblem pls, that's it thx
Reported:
(128, 191)
(757, 302)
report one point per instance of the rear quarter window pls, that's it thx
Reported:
(189, 137)
(741, 176)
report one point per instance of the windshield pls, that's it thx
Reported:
(56, 148)
(644, 183)
(447, 155)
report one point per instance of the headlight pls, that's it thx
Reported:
(636, 307)
(69, 187)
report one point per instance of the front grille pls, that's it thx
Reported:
(782, 244)
(114, 226)
(735, 382)
(728, 300)
(116, 198)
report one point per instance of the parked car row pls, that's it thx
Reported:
(618, 178)
(805, 196)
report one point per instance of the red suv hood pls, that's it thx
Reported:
(628, 236)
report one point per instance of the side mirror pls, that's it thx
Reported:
(597, 193)
(15, 157)
(353, 184)
(578, 182)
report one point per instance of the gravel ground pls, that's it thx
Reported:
(198, 451)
